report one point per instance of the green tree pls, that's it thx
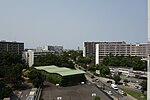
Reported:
(36, 77)
(73, 54)
(104, 70)
(5, 91)
(97, 98)
(54, 79)
(144, 85)
(125, 61)
(126, 81)
(25, 72)
(13, 75)
(8, 58)
(116, 78)
(52, 59)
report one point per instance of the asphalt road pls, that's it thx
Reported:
(79, 92)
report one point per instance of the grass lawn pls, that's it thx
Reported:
(134, 93)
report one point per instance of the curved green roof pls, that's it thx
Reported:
(63, 71)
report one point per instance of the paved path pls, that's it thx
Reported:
(79, 92)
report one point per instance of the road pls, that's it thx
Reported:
(104, 85)
(22, 94)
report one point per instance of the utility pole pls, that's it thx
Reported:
(148, 59)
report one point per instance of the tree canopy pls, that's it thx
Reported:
(36, 77)
(104, 70)
(11, 66)
(52, 59)
(144, 85)
(5, 91)
(125, 61)
(116, 78)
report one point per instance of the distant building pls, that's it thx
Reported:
(54, 49)
(101, 49)
(30, 54)
(15, 47)
(29, 57)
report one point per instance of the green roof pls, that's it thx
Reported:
(63, 71)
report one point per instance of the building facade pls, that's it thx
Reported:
(15, 47)
(101, 49)
(54, 49)
(29, 57)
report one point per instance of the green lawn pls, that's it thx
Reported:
(134, 93)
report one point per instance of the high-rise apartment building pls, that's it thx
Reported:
(15, 47)
(101, 49)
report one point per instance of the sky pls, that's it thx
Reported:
(69, 23)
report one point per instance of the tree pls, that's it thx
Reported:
(73, 54)
(36, 77)
(144, 85)
(54, 79)
(104, 70)
(116, 78)
(52, 59)
(25, 72)
(5, 91)
(125, 61)
(8, 58)
(11, 66)
(126, 81)
(97, 98)
(13, 75)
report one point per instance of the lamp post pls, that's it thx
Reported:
(148, 58)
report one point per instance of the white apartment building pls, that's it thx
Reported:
(29, 57)
(101, 49)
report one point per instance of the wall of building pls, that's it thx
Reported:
(15, 47)
(101, 49)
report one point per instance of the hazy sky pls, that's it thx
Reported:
(71, 22)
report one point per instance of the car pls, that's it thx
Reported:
(82, 83)
(96, 80)
(109, 92)
(121, 92)
(138, 87)
(120, 83)
(109, 81)
(99, 86)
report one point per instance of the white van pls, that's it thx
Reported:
(114, 86)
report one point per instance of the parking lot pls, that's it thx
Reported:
(79, 92)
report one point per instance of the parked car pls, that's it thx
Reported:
(109, 81)
(121, 92)
(109, 92)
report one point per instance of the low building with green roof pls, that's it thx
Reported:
(69, 76)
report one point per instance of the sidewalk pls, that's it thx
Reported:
(129, 97)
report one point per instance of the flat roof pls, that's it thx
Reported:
(63, 71)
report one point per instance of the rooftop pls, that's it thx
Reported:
(63, 71)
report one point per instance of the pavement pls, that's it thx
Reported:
(79, 92)
(22, 94)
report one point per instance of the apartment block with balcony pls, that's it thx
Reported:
(101, 49)
(15, 47)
